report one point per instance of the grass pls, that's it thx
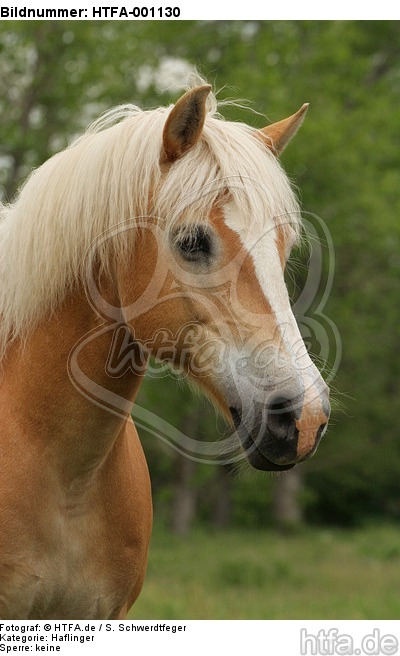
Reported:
(315, 574)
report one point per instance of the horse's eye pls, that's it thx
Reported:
(196, 245)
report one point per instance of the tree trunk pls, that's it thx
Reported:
(223, 496)
(184, 500)
(286, 506)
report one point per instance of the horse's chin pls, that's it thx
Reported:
(257, 460)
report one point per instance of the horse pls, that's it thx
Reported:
(177, 218)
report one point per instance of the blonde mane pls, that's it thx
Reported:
(111, 174)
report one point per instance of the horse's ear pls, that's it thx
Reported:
(185, 123)
(277, 136)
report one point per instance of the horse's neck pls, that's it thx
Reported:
(48, 410)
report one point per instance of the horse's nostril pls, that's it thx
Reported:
(281, 420)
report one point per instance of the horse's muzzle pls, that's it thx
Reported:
(282, 433)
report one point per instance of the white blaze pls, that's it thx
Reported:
(260, 242)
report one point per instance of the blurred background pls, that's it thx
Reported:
(322, 541)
